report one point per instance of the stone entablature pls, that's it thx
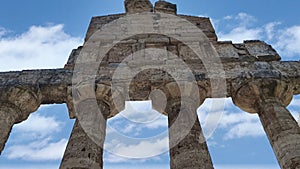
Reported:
(252, 72)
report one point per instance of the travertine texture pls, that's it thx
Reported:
(250, 72)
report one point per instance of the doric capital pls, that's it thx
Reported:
(172, 94)
(138, 6)
(94, 94)
(251, 95)
(23, 99)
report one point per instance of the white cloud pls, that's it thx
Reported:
(39, 47)
(137, 117)
(243, 129)
(114, 159)
(245, 19)
(239, 34)
(288, 41)
(240, 28)
(139, 112)
(142, 149)
(161, 122)
(137, 132)
(41, 150)
(33, 139)
(39, 125)
(241, 124)
(270, 29)
(242, 17)
(236, 123)
(3, 31)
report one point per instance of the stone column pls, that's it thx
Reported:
(16, 104)
(8, 116)
(85, 147)
(188, 148)
(269, 99)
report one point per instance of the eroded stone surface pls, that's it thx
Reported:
(84, 150)
(165, 7)
(23, 91)
(137, 6)
(16, 104)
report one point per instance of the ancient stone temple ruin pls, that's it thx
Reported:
(176, 61)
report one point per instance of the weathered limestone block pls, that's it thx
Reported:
(188, 148)
(165, 7)
(269, 98)
(118, 53)
(261, 50)
(226, 51)
(138, 6)
(16, 104)
(98, 22)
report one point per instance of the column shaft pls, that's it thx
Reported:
(85, 147)
(283, 133)
(8, 116)
(82, 152)
(191, 151)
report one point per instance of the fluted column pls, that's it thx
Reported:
(269, 99)
(85, 146)
(188, 148)
(16, 104)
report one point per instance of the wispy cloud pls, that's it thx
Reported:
(239, 34)
(234, 122)
(39, 47)
(3, 31)
(137, 117)
(143, 150)
(33, 139)
(288, 41)
(270, 30)
(41, 150)
(240, 28)
(39, 125)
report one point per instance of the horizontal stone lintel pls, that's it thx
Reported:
(53, 83)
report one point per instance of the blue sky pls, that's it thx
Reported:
(41, 34)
